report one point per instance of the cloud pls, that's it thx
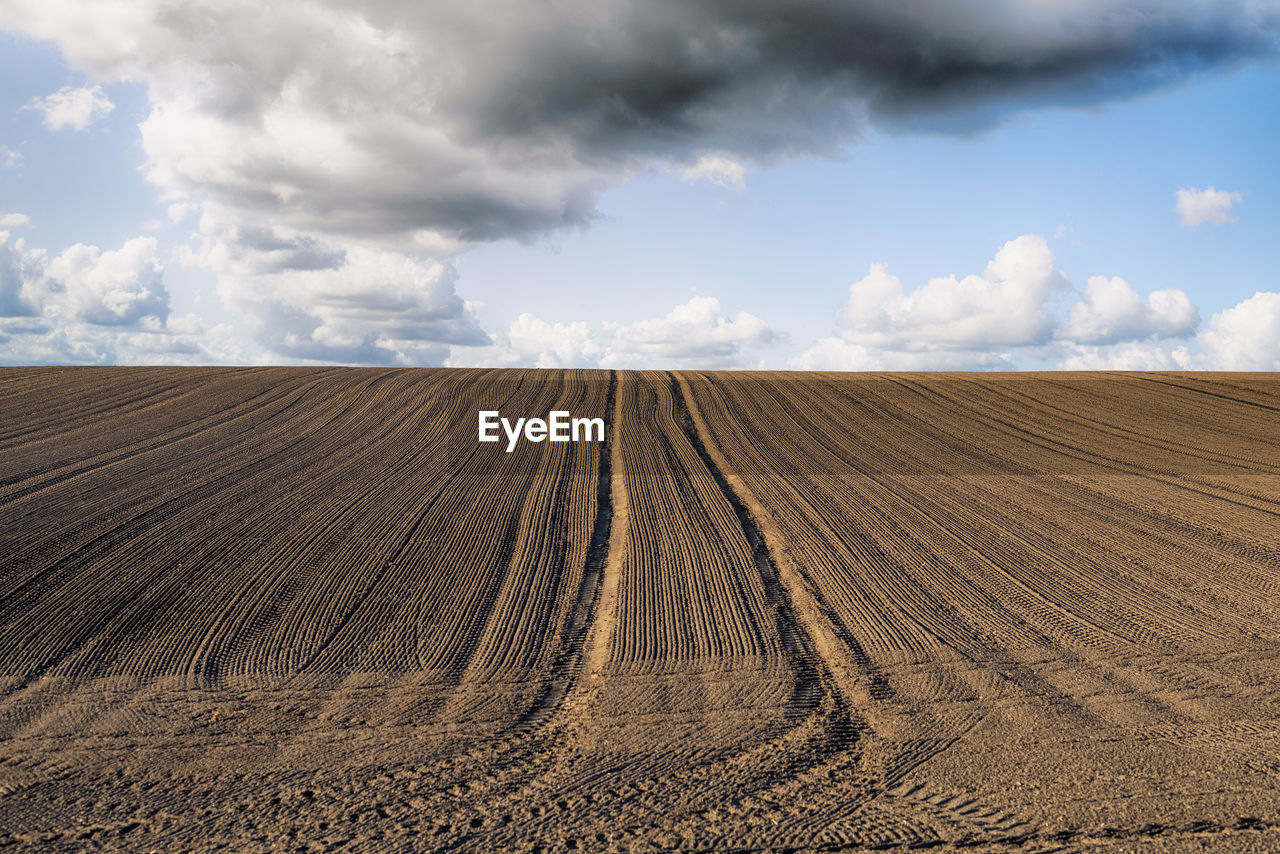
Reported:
(14, 220)
(183, 341)
(999, 319)
(226, 243)
(18, 269)
(719, 170)
(178, 211)
(120, 287)
(86, 305)
(73, 108)
(1005, 306)
(695, 334)
(1112, 311)
(767, 77)
(1196, 207)
(1245, 337)
(371, 307)
(1129, 356)
(307, 297)
(9, 159)
(529, 341)
(970, 323)
(839, 354)
(497, 119)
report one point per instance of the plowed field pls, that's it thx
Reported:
(301, 609)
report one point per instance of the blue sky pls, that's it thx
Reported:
(660, 267)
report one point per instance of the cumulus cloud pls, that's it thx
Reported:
(996, 320)
(719, 170)
(693, 334)
(1128, 356)
(73, 108)
(840, 354)
(183, 340)
(1196, 207)
(226, 243)
(371, 307)
(178, 211)
(9, 159)
(1245, 337)
(968, 323)
(1005, 306)
(697, 333)
(498, 119)
(119, 287)
(19, 268)
(1112, 311)
(14, 220)
(530, 341)
(86, 305)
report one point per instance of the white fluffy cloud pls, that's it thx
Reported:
(85, 305)
(14, 220)
(1129, 356)
(9, 159)
(533, 342)
(1112, 311)
(840, 354)
(1245, 337)
(371, 307)
(694, 334)
(1005, 306)
(73, 108)
(947, 322)
(1196, 207)
(184, 340)
(997, 320)
(719, 170)
(120, 287)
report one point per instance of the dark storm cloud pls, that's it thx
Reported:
(441, 124)
(762, 78)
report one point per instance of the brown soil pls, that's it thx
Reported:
(299, 609)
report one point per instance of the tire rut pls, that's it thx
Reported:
(842, 662)
(583, 615)
(815, 672)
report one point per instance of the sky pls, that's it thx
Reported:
(810, 184)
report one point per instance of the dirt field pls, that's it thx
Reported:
(300, 609)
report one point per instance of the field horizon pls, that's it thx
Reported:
(282, 608)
